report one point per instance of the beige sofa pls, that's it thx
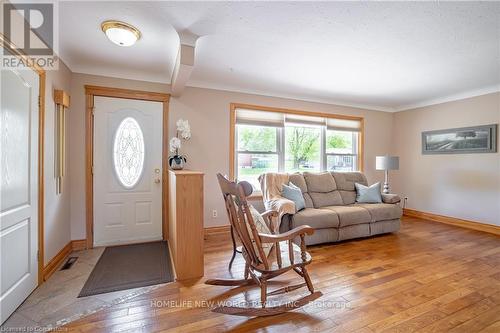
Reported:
(331, 207)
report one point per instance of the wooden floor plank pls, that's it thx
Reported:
(429, 277)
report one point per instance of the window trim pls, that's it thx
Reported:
(232, 130)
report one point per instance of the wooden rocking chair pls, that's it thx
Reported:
(259, 268)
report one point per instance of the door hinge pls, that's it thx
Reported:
(93, 111)
(92, 170)
(38, 255)
(39, 101)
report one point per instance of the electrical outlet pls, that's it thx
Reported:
(214, 213)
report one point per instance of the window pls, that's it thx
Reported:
(341, 150)
(278, 141)
(128, 152)
(302, 148)
(257, 152)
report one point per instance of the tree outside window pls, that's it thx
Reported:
(303, 146)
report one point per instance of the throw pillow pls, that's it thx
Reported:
(368, 194)
(292, 192)
(261, 227)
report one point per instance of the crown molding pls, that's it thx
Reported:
(86, 71)
(158, 79)
(450, 98)
(368, 107)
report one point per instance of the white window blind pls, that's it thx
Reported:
(304, 120)
(337, 124)
(259, 118)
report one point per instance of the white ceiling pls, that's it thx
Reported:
(384, 55)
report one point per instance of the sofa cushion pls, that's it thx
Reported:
(298, 180)
(348, 197)
(308, 200)
(383, 227)
(345, 184)
(350, 215)
(321, 236)
(326, 199)
(320, 182)
(345, 180)
(382, 211)
(354, 231)
(316, 218)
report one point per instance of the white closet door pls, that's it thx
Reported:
(19, 188)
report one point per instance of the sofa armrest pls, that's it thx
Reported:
(390, 198)
(281, 205)
(270, 217)
(269, 214)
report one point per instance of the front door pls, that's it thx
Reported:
(127, 171)
(19, 188)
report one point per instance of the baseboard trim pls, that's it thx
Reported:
(79, 244)
(211, 232)
(492, 229)
(223, 229)
(54, 263)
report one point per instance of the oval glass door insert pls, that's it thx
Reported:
(128, 152)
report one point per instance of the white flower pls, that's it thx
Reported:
(184, 129)
(175, 144)
(186, 135)
(182, 124)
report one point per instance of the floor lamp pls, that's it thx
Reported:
(387, 163)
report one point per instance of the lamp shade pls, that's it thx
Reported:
(387, 162)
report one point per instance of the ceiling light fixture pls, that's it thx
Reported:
(120, 33)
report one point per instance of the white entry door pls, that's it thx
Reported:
(127, 171)
(19, 188)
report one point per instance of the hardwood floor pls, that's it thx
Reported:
(429, 277)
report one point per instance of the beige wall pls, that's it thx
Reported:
(466, 186)
(57, 227)
(208, 150)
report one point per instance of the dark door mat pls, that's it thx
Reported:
(129, 266)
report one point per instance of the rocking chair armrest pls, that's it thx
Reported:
(302, 230)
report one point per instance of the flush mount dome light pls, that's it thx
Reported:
(121, 33)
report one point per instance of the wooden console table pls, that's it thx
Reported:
(186, 222)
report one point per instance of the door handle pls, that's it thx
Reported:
(157, 180)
